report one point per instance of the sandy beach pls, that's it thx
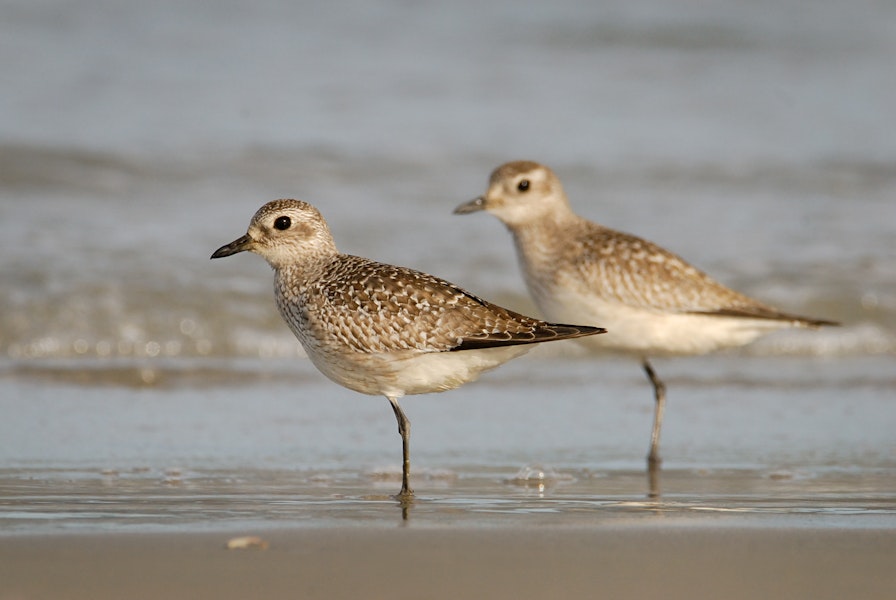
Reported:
(398, 563)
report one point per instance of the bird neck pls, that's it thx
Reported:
(300, 273)
(547, 230)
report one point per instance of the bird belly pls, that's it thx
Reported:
(407, 372)
(653, 332)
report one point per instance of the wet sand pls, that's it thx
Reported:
(405, 562)
(778, 482)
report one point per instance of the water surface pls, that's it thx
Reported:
(142, 385)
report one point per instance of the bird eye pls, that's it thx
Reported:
(523, 185)
(282, 223)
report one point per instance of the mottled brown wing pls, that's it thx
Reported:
(380, 308)
(638, 273)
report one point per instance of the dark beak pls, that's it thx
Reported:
(240, 245)
(474, 205)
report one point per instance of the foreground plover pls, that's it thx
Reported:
(381, 329)
(652, 302)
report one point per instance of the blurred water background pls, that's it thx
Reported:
(753, 138)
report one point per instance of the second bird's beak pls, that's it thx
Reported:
(474, 205)
(234, 247)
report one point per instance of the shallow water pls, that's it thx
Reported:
(231, 448)
(136, 139)
(142, 385)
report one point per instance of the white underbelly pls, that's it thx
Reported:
(654, 333)
(397, 374)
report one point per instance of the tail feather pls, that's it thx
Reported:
(546, 332)
(771, 315)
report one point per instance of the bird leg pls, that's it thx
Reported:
(404, 428)
(659, 389)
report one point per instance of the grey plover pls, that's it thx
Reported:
(377, 328)
(652, 302)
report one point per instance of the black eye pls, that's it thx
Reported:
(282, 223)
(523, 185)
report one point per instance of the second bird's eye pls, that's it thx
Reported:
(282, 223)
(523, 185)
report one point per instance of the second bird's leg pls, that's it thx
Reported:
(659, 390)
(404, 428)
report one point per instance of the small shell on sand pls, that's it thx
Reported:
(246, 542)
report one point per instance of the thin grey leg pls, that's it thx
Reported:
(404, 428)
(659, 389)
